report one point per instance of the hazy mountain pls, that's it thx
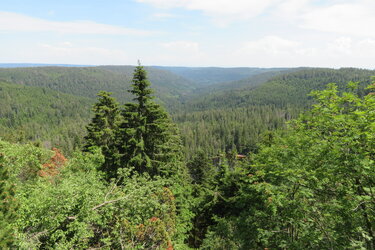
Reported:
(205, 76)
(249, 82)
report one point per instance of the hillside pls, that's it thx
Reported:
(304, 179)
(236, 118)
(205, 76)
(88, 81)
(216, 117)
(249, 82)
(42, 115)
(164, 82)
(283, 90)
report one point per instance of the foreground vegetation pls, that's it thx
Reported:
(308, 186)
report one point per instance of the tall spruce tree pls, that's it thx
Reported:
(8, 207)
(149, 141)
(101, 132)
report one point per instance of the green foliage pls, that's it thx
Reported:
(101, 132)
(8, 206)
(309, 186)
(25, 111)
(283, 90)
(237, 114)
(312, 188)
(88, 81)
(77, 208)
(141, 139)
(220, 130)
(200, 168)
(147, 140)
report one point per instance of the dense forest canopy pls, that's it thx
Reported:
(273, 159)
(203, 113)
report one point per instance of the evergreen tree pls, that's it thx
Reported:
(200, 168)
(149, 141)
(8, 207)
(102, 131)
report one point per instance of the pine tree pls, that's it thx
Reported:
(101, 132)
(8, 207)
(149, 141)
(200, 168)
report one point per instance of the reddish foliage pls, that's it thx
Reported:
(153, 219)
(56, 162)
(170, 246)
(240, 156)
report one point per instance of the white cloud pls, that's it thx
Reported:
(185, 46)
(352, 18)
(291, 10)
(341, 45)
(346, 17)
(221, 10)
(273, 51)
(367, 46)
(180, 53)
(14, 22)
(269, 45)
(66, 52)
(357, 50)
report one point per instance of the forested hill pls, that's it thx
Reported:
(237, 118)
(248, 82)
(165, 81)
(283, 90)
(221, 117)
(205, 76)
(88, 81)
(44, 116)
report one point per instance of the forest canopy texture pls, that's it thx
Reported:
(133, 184)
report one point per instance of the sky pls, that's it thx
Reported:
(222, 33)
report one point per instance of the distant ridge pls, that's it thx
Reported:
(206, 76)
(27, 65)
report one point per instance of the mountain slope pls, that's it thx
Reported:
(247, 83)
(43, 115)
(237, 118)
(162, 80)
(88, 81)
(205, 76)
(286, 89)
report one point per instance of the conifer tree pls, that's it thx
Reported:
(149, 143)
(102, 131)
(8, 207)
(200, 168)
(148, 139)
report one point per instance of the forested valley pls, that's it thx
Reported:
(124, 157)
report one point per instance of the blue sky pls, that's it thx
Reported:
(228, 33)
